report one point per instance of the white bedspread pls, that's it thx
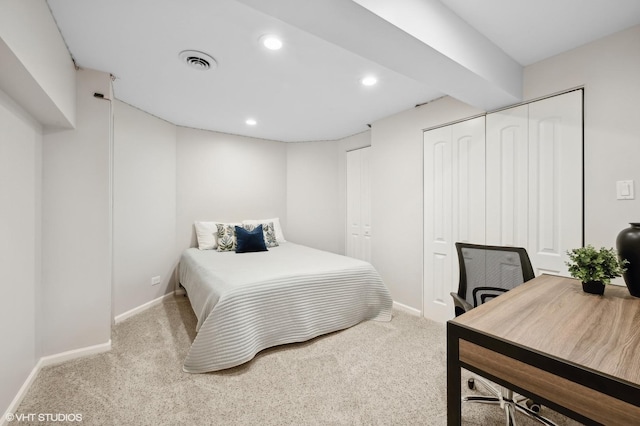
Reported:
(252, 301)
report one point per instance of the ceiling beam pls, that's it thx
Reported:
(421, 39)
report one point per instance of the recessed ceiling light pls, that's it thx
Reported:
(271, 42)
(369, 80)
(251, 122)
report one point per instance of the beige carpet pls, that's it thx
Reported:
(375, 373)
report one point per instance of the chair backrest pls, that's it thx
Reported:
(488, 271)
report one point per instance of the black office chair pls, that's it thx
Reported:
(487, 272)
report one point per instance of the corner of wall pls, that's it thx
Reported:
(38, 71)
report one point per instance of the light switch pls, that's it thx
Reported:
(624, 190)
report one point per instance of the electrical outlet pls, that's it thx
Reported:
(155, 280)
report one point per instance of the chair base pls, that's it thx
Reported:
(508, 401)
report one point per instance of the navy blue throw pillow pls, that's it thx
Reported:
(248, 241)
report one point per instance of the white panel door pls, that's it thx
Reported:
(358, 243)
(469, 195)
(438, 212)
(534, 179)
(453, 208)
(555, 174)
(365, 202)
(515, 180)
(508, 177)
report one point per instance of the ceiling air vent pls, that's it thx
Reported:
(198, 60)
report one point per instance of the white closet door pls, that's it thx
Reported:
(453, 208)
(526, 191)
(359, 204)
(508, 177)
(365, 202)
(469, 193)
(438, 211)
(555, 173)
(534, 179)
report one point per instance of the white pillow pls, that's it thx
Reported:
(276, 226)
(206, 234)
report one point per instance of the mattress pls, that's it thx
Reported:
(248, 302)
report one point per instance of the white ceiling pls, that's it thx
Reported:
(309, 90)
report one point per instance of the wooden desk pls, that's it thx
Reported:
(576, 353)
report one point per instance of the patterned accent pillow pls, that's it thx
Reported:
(269, 234)
(276, 226)
(226, 237)
(268, 230)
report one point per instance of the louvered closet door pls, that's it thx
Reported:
(453, 207)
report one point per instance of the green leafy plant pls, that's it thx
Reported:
(588, 264)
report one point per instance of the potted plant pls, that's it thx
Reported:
(595, 268)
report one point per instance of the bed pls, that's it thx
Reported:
(248, 302)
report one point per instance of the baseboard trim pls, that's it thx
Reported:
(407, 309)
(142, 308)
(50, 360)
(21, 393)
(75, 353)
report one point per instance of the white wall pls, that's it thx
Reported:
(20, 191)
(313, 204)
(397, 210)
(165, 178)
(227, 178)
(37, 90)
(609, 69)
(144, 207)
(316, 191)
(76, 224)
